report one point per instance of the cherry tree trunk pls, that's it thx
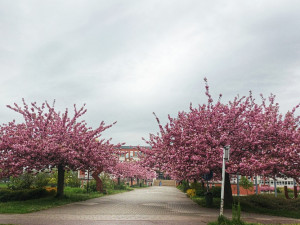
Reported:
(60, 181)
(295, 192)
(131, 181)
(99, 183)
(286, 192)
(228, 200)
(119, 180)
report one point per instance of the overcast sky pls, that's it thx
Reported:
(127, 59)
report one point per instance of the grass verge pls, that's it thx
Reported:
(262, 204)
(268, 204)
(71, 195)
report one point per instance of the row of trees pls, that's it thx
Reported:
(262, 141)
(50, 139)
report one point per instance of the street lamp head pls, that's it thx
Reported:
(226, 152)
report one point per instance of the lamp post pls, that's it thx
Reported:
(225, 158)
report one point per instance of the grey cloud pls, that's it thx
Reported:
(126, 59)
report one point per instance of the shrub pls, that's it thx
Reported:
(22, 195)
(51, 190)
(41, 180)
(120, 187)
(216, 192)
(108, 183)
(191, 192)
(92, 186)
(200, 191)
(184, 186)
(24, 181)
(246, 184)
(72, 179)
(222, 220)
(281, 190)
(270, 202)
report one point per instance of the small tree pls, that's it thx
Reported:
(246, 184)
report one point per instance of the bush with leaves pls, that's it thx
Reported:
(216, 192)
(72, 179)
(183, 186)
(41, 180)
(22, 195)
(200, 190)
(24, 181)
(246, 184)
(120, 186)
(108, 183)
(91, 186)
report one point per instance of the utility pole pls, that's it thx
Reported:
(256, 185)
(238, 184)
(225, 158)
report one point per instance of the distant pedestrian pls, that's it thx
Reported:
(159, 183)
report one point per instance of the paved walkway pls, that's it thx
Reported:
(154, 205)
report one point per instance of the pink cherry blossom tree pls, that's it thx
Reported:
(49, 139)
(262, 141)
(133, 169)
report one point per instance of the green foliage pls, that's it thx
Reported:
(33, 205)
(41, 180)
(120, 186)
(24, 181)
(22, 195)
(92, 186)
(138, 185)
(216, 191)
(108, 183)
(236, 212)
(28, 180)
(184, 186)
(245, 183)
(269, 204)
(200, 191)
(202, 202)
(281, 190)
(71, 179)
(222, 220)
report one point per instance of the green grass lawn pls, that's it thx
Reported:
(201, 201)
(3, 185)
(72, 195)
(263, 204)
(268, 204)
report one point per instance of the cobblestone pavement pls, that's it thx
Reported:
(154, 205)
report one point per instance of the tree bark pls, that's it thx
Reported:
(286, 192)
(202, 184)
(99, 183)
(295, 192)
(119, 180)
(228, 200)
(138, 181)
(131, 181)
(60, 181)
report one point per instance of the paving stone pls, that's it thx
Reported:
(154, 205)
